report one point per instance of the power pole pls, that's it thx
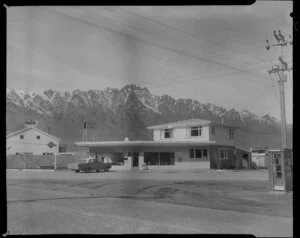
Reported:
(279, 70)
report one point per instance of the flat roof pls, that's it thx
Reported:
(187, 123)
(142, 143)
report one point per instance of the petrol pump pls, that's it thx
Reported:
(280, 170)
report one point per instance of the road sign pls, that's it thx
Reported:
(51, 144)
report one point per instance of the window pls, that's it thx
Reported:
(38, 137)
(21, 137)
(212, 130)
(167, 133)
(230, 133)
(223, 153)
(197, 153)
(45, 153)
(196, 131)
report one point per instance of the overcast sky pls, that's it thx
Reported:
(209, 53)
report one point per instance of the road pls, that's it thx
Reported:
(36, 207)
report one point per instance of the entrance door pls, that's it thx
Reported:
(278, 171)
(135, 159)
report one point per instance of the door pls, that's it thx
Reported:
(135, 159)
(278, 171)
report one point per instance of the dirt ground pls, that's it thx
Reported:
(242, 191)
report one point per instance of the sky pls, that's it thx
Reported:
(214, 54)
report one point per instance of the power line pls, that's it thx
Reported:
(193, 75)
(163, 47)
(166, 37)
(203, 77)
(191, 34)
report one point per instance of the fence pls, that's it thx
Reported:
(39, 161)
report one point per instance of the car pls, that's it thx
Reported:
(89, 164)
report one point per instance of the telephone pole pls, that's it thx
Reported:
(279, 70)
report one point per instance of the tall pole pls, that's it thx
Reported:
(282, 110)
(279, 70)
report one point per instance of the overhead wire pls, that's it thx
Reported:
(190, 34)
(163, 47)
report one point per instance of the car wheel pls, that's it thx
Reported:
(97, 170)
(106, 169)
(77, 171)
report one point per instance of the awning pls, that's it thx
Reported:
(106, 144)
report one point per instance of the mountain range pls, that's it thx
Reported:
(126, 112)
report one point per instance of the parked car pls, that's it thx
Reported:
(89, 164)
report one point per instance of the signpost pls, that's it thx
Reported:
(51, 145)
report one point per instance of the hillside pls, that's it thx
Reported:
(127, 112)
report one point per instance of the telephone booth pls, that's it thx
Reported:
(280, 170)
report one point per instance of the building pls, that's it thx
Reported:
(193, 143)
(260, 157)
(31, 140)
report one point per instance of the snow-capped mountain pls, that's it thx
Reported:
(125, 113)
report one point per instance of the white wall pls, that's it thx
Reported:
(181, 134)
(260, 159)
(156, 134)
(30, 144)
(221, 136)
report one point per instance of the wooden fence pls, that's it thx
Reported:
(39, 161)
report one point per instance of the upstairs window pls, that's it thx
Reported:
(38, 137)
(167, 133)
(21, 137)
(230, 133)
(196, 131)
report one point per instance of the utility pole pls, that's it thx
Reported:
(279, 70)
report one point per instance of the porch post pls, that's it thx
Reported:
(158, 158)
(141, 159)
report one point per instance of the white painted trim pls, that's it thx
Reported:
(30, 128)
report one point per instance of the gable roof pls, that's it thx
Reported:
(186, 123)
(32, 128)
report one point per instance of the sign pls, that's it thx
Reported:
(51, 144)
(89, 125)
(30, 122)
(278, 188)
(277, 156)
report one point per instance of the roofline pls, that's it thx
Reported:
(241, 148)
(140, 143)
(30, 127)
(166, 125)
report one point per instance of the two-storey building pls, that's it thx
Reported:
(193, 143)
